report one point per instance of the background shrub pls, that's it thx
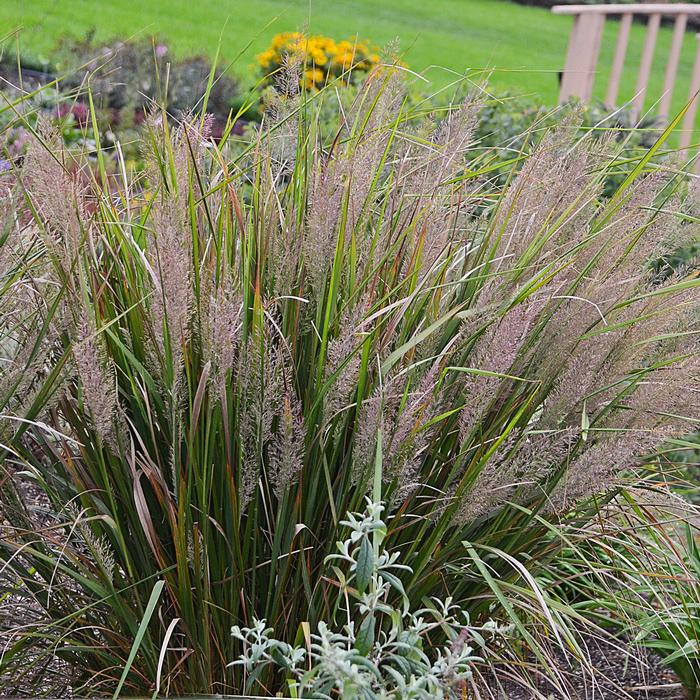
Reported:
(136, 75)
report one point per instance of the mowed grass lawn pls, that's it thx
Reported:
(524, 46)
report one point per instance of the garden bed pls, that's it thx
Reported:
(187, 343)
(624, 672)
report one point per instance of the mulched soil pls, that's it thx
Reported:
(622, 672)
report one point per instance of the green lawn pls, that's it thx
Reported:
(524, 46)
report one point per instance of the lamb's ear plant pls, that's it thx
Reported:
(201, 364)
(373, 648)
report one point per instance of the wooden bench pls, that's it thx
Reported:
(584, 48)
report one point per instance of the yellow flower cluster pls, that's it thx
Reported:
(323, 58)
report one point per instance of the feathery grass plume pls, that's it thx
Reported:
(492, 486)
(342, 190)
(620, 347)
(369, 121)
(288, 80)
(598, 281)
(573, 384)
(322, 220)
(555, 191)
(32, 317)
(283, 265)
(271, 423)
(53, 180)
(506, 350)
(286, 451)
(370, 423)
(96, 382)
(494, 353)
(597, 467)
(408, 438)
(669, 394)
(633, 349)
(280, 227)
(255, 414)
(222, 319)
(425, 191)
(343, 363)
(168, 153)
(625, 244)
(279, 131)
(592, 363)
(170, 251)
(518, 470)
(97, 545)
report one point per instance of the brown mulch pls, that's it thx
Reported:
(622, 672)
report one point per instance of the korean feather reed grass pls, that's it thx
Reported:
(206, 366)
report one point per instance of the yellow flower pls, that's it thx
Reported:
(285, 38)
(326, 44)
(314, 77)
(266, 57)
(344, 59)
(319, 57)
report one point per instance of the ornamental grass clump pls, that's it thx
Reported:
(206, 367)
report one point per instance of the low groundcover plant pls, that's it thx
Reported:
(381, 651)
(206, 366)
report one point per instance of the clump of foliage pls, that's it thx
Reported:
(674, 630)
(511, 125)
(132, 76)
(201, 382)
(115, 85)
(638, 586)
(323, 59)
(69, 114)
